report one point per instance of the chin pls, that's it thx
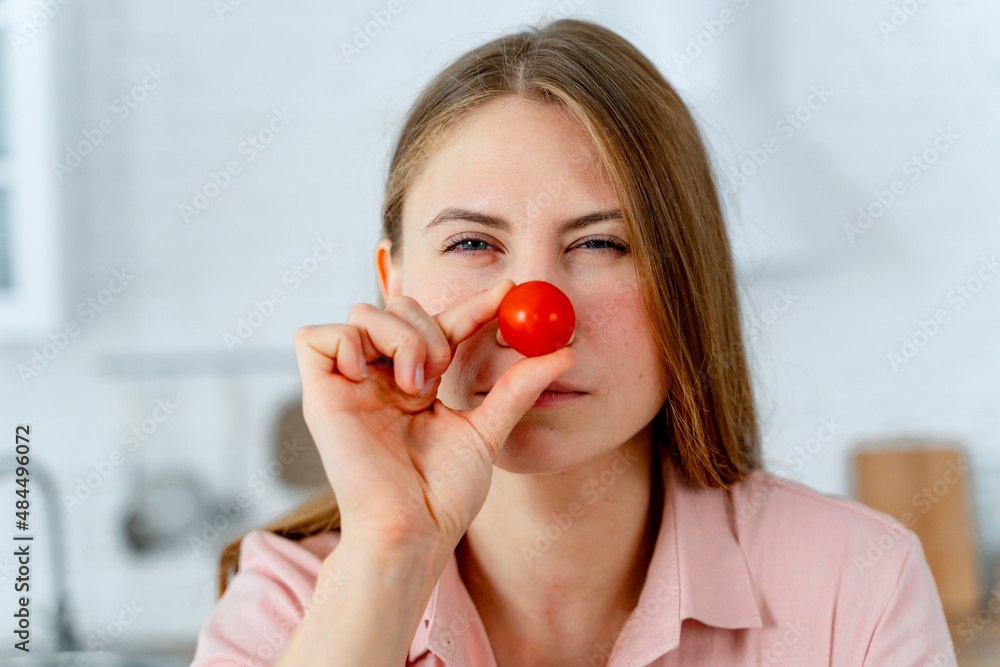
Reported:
(537, 449)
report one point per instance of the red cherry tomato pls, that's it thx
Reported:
(536, 318)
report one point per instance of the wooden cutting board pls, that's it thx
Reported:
(925, 485)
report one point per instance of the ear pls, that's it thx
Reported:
(389, 277)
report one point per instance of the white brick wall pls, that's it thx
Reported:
(322, 174)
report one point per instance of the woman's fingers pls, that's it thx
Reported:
(413, 339)
(395, 338)
(465, 317)
(403, 332)
(438, 351)
(321, 349)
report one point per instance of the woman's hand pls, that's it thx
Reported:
(407, 470)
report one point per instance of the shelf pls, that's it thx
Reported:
(198, 362)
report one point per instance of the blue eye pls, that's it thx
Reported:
(460, 240)
(609, 244)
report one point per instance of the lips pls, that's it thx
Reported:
(554, 387)
(564, 388)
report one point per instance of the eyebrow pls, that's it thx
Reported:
(453, 214)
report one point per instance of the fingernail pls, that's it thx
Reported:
(364, 367)
(427, 388)
(418, 376)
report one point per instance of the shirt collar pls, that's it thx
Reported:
(703, 575)
(697, 571)
(451, 626)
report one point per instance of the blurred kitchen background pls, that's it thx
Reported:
(183, 184)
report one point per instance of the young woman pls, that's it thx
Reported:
(603, 504)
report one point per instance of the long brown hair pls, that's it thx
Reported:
(651, 148)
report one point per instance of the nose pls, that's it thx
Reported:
(504, 343)
(534, 268)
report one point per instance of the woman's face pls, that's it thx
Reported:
(532, 167)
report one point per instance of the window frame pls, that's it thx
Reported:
(30, 306)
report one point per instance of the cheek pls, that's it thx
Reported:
(438, 290)
(615, 330)
(612, 320)
(469, 368)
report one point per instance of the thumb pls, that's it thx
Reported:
(514, 394)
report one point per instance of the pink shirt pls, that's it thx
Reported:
(768, 572)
